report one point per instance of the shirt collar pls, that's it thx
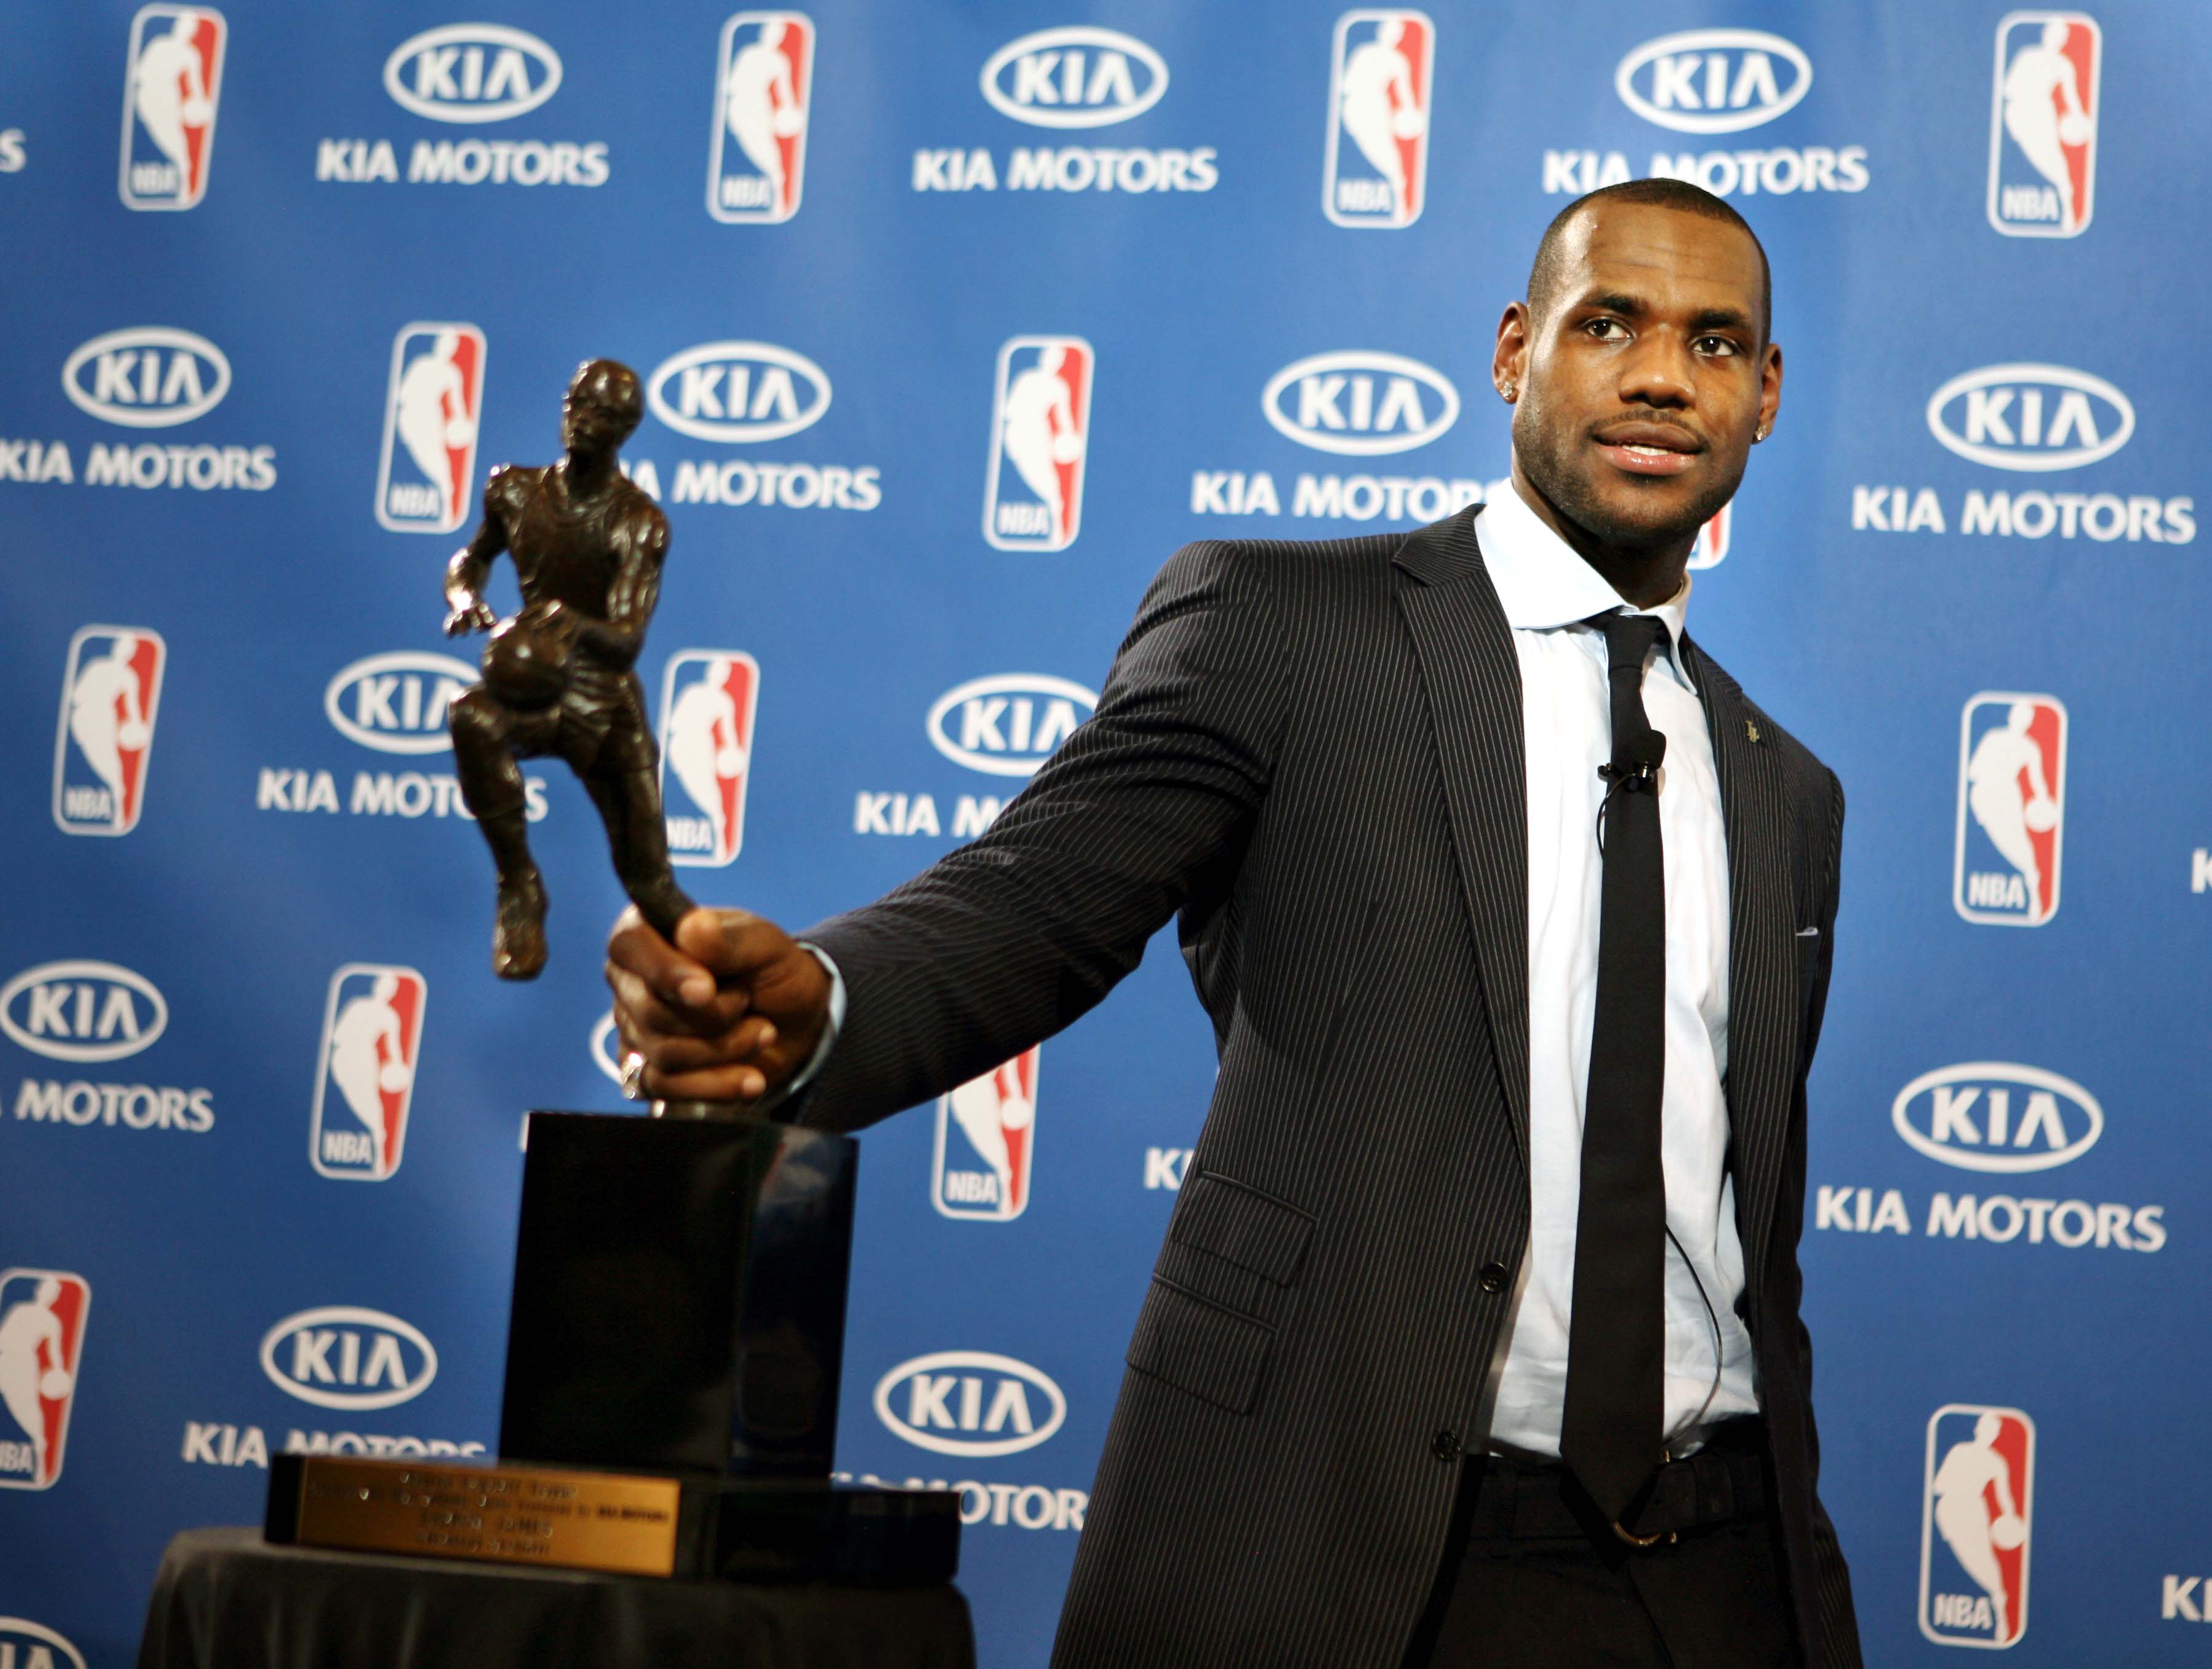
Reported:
(1543, 585)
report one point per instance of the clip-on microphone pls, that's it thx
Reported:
(1642, 770)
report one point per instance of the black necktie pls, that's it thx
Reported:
(1611, 1433)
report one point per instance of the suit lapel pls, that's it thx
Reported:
(1472, 680)
(1762, 1032)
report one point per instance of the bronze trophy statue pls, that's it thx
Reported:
(557, 676)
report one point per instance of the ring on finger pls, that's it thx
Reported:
(633, 1076)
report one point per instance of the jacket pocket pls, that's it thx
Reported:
(1242, 1225)
(1215, 1354)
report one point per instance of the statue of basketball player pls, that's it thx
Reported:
(588, 548)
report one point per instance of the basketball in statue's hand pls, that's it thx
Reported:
(525, 664)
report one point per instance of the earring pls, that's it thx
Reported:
(1760, 433)
(1510, 390)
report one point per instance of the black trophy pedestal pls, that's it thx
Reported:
(673, 1362)
(679, 1295)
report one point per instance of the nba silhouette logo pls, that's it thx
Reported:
(2012, 808)
(2042, 124)
(365, 1082)
(42, 1314)
(706, 702)
(111, 695)
(430, 408)
(1976, 1519)
(1040, 435)
(986, 1142)
(1376, 170)
(171, 83)
(1712, 538)
(764, 88)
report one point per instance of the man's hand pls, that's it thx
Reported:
(728, 1012)
(470, 613)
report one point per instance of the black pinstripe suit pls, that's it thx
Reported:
(1314, 752)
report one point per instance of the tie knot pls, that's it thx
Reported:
(1629, 640)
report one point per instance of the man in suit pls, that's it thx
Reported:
(1475, 852)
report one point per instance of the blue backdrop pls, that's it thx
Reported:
(958, 318)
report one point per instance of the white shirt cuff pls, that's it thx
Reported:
(806, 1074)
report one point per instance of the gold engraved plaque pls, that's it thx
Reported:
(510, 1514)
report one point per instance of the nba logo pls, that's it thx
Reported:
(2042, 124)
(110, 693)
(762, 89)
(986, 1140)
(707, 702)
(171, 86)
(372, 1032)
(430, 409)
(41, 1336)
(1977, 1514)
(1378, 100)
(1040, 432)
(1712, 538)
(2012, 808)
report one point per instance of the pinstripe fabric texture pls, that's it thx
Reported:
(1311, 753)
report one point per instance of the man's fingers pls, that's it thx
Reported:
(749, 1043)
(730, 1083)
(653, 1016)
(682, 980)
(731, 942)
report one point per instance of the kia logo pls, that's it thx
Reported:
(602, 1045)
(472, 72)
(149, 376)
(1360, 405)
(1713, 80)
(1007, 725)
(1996, 1116)
(969, 1402)
(738, 391)
(1076, 77)
(2031, 417)
(397, 703)
(81, 1011)
(25, 1645)
(343, 1357)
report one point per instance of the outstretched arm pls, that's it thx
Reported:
(1003, 941)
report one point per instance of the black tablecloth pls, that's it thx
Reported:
(226, 1599)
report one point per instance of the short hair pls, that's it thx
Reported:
(1661, 193)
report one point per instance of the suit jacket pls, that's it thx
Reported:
(1313, 752)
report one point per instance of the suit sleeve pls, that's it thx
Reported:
(1839, 1618)
(1006, 940)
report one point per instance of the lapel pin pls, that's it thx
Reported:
(1750, 730)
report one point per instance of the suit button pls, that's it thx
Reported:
(1445, 1446)
(1493, 1277)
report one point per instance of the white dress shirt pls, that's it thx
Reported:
(1548, 591)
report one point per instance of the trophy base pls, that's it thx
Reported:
(620, 1523)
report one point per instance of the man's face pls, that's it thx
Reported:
(593, 419)
(591, 425)
(1642, 385)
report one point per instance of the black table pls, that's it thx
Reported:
(226, 1599)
